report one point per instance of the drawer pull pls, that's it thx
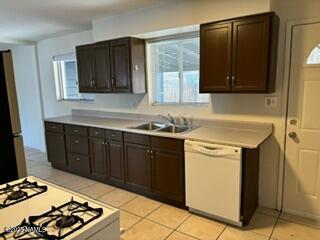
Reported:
(53, 127)
(76, 141)
(113, 135)
(77, 159)
(96, 133)
(75, 130)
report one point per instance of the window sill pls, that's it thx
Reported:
(181, 104)
(76, 100)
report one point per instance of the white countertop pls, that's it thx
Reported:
(234, 136)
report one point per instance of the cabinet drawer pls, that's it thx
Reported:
(76, 130)
(136, 138)
(113, 135)
(77, 144)
(79, 164)
(167, 143)
(54, 127)
(96, 132)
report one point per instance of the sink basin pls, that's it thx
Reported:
(163, 127)
(175, 129)
(151, 126)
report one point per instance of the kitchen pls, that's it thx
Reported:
(115, 145)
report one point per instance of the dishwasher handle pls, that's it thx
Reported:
(215, 153)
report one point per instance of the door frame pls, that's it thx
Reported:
(285, 104)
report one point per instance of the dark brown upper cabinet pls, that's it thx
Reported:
(101, 67)
(115, 66)
(84, 66)
(239, 55)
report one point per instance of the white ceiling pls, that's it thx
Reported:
(33, 20)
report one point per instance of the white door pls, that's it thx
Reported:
(302, 169)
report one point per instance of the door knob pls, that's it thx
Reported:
(292, 134)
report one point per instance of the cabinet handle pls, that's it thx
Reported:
(75, 130)
(233, 81)
(76, 141)
(53, 127)
(112, 81)
(96, 133)
(77, 159)
(228, 80)
(113, 135)
(148, 150)
(92, 82)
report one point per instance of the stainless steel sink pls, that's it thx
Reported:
(176, 129)
(150, 126)
(162, 127)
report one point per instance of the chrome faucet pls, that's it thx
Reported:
(185, 121)
(168, 118)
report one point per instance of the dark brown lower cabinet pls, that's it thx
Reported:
(98, 158)
(115, 163)
(168, 174)
(138, 167)
(79, 164)
(56, 149)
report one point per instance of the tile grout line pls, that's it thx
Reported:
(274, 227)
(225, 227)
(141, 218)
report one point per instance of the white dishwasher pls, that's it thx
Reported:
(213, 180)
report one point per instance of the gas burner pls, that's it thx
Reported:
(67, 221)
(64, 220)
(12, 194)
(24, 231)
(15, 195)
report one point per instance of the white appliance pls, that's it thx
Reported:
(106, 226)
(213, 180)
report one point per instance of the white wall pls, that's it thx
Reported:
(28, 93)
(221, 106)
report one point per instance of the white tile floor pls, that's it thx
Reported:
(146, 219)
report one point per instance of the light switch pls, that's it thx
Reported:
(271, 102)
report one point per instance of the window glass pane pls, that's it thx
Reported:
(66, 78)
(72, 88)
(191, 63)
(175, 71)
(166, 72)
(314, 56)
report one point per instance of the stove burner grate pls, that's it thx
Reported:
(12, 194)
(65, 218)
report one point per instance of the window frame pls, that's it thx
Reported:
(59, 76)
(152, 82)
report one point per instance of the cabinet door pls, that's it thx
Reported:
(215, 57)
(79, 164)
(101, 67)
(168, 175)
(56, 149)
(120, 65)
(115, 162)
(84, 67)
(138, 167)
(250, 54)
(98, 158)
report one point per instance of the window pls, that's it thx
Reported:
(314, 56)
(66, 78)
(175, 71)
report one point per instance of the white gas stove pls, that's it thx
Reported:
(32, 208)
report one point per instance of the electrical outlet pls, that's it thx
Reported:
(271, 102)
